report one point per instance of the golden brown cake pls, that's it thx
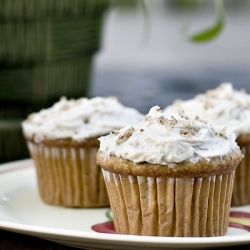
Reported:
(229, 107)
(170, 176)
(62, 141)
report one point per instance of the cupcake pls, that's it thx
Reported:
(169, 175)
(62, 141)
(229, 107)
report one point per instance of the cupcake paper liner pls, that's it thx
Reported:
(69, 176)
(170, 206)
(241, 190)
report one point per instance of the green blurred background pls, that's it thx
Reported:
(46, 51)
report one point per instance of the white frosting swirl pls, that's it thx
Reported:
(79, 119)
(165, 138)
(223, 105)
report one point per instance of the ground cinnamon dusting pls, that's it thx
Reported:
(182, 115)
(125, 136)
(168, 123)
(187, 133)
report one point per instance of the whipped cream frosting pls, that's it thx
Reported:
(165, 138)
(79, 119)
(223, 105)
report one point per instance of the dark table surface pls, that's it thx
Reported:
(14, 241)
(140, 90)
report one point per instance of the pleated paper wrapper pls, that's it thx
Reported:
(161, 206)
(241, 190)
(69, 176)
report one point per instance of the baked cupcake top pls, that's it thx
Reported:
(79, 119)
(223, 105)
(168, 138)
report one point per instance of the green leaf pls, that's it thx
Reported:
(211, 32)
(108, 215)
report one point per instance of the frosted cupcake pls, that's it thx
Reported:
(229, 107)
(62, 140)
(169, 176)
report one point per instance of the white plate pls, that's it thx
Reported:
(22, 211)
